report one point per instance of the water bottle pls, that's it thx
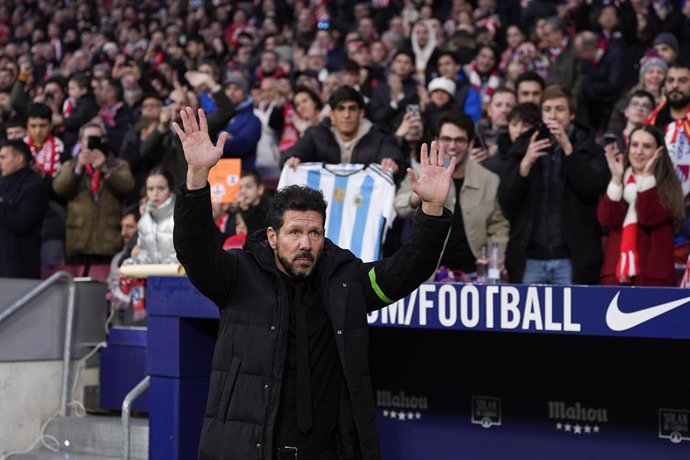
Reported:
(494, 272)
(481, 265)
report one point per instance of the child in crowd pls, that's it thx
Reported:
(249, 214)
(253, 206)
(78, 109)
(522, 120)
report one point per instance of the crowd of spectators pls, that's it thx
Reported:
(542, 102)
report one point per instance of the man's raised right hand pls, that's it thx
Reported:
(199, 151)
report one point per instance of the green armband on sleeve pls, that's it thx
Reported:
(377, 288)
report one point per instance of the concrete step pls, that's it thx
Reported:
(96, 437)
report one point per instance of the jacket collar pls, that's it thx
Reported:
(471, 180)
(164, 210)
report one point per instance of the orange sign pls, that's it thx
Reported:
(224, 178)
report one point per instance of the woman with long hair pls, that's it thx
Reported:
(642, 203)
(156, 223)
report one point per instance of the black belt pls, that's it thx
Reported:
(286, 453)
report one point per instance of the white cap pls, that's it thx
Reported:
(442, 83)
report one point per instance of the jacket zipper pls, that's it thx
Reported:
(274, 384)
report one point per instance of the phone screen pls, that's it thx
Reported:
(610, 138)
(413, 109)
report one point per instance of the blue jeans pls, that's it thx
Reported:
(554, 271)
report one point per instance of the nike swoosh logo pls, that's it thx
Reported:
(618, 320)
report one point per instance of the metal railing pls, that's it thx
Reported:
(127, 408)
(28, 297)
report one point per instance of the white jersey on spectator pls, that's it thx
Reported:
(678, 143)
(360, 203)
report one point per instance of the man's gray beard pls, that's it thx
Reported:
(290, 269)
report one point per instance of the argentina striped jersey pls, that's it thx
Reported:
(360, 203)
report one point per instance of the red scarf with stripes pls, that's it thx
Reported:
(628, 265)
(486, 89)
(47, 156)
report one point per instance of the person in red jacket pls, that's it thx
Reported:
(641, 204)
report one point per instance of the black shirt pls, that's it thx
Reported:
(326, 378)
(457, 255)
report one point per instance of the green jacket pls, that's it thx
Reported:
(93, 226)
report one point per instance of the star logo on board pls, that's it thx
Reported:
(401, 407)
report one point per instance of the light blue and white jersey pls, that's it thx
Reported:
(360, 203)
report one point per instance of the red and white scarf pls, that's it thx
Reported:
(602, 47)
(108, 114)
(47, 156)
(485, 88)
(289, 136)
(554, 52)
(94, 181)
(67, 107)
(628, 265)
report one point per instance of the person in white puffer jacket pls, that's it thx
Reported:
(156, 225)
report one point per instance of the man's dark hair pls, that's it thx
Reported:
(680, 64)
(133, 210)
(39, 110)
(58, 80)
(642, 93)
(406, 52)
(349, 66)
(556, 92)
(450, 54)
(345, 93)
(81, 80)
(459, 119)
(20, 148)
(257, 177)
(526, 112)
(215, 69)
(294, 198)
(15, 122)
(151, 95)
(196, 38)
(502, 90)
(530, 75)
(116, 86)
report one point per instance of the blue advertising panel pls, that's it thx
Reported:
(588, 373)
(607, 311)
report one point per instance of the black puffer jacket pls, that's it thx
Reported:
(251, 348)
(23, 204)
(319, 145)
(586, 174)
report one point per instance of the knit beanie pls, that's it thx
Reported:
(667, 38)
(652, 59)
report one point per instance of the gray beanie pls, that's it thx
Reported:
(652, 60)
(667, 38)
